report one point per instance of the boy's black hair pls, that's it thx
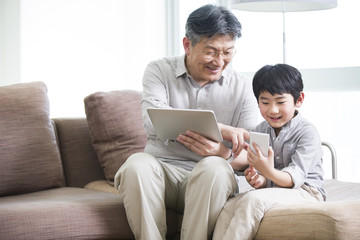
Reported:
(278, 79)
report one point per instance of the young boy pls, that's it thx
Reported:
(292, 172)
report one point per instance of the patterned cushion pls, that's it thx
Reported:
(116, 128)
(29, 157)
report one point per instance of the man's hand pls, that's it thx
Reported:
(254, 178)
(203, 146)
(235, 135)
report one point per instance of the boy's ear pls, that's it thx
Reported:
(300, 100)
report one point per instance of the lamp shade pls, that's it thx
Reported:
(283, 5)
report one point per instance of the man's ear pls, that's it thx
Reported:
(300, 100)
(187, 45)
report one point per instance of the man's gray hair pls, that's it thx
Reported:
(210, 20)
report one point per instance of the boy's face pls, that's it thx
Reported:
(278, 109)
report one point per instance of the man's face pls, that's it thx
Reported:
(206, 60)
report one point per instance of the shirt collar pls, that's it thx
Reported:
(180, 66)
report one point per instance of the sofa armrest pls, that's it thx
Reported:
(78, 156)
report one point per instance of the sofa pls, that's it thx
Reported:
(57, 174)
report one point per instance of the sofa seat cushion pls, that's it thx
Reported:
(337, 218)
(101, 185)
(63, 213)
(29, 156)
(327, 220)
(173, 219)
(116, 127)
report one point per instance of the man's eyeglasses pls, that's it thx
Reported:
(212, 54)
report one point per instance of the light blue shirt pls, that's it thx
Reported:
(167, 84)
(298, 151)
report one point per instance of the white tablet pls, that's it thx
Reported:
(170, 123)
(262, 140)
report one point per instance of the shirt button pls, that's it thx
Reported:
(277, 157)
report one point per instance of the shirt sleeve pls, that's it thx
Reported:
(154, 94)
(307, 155)
(249, 111)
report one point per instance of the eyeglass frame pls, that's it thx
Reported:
(214, 53)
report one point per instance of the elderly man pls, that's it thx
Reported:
(192, 174)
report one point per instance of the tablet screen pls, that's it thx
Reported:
(170, 123)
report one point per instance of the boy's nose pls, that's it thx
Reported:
(274, 108)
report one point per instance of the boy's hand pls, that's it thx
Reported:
(263, 164)
(253, 178)
(235, 135)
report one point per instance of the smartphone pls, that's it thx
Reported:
(262, 140)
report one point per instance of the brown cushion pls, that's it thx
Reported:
(29, 156)
(316, 221)
(116, 128)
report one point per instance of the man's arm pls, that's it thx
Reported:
(153, 94)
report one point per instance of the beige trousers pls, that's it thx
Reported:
(242, 214)
(148, 186)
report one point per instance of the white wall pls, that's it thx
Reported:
(78, 47)
(9, 42)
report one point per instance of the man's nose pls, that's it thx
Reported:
(219, 59)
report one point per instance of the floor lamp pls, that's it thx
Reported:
(283, 6)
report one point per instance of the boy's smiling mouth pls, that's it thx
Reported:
(275, 118)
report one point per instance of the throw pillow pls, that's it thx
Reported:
(116, 129)
(29, 157)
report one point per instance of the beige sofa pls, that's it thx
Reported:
(44, 167)
(56, 175)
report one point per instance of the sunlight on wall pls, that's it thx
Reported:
(79, 47)
(315, 39)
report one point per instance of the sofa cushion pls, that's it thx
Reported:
(69, 213)
(29, 157)
(322, 220)
(63, 213)
(77, 151)
(116, 128)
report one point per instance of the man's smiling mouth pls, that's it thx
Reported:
(214, 69)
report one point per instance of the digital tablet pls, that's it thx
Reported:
(262, 140)
(170, 123)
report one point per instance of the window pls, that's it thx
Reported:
(324, 46)
(79, 47)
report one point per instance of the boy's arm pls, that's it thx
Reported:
(305, 162)
(265, 165)
(281, 178)
(240, 162)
